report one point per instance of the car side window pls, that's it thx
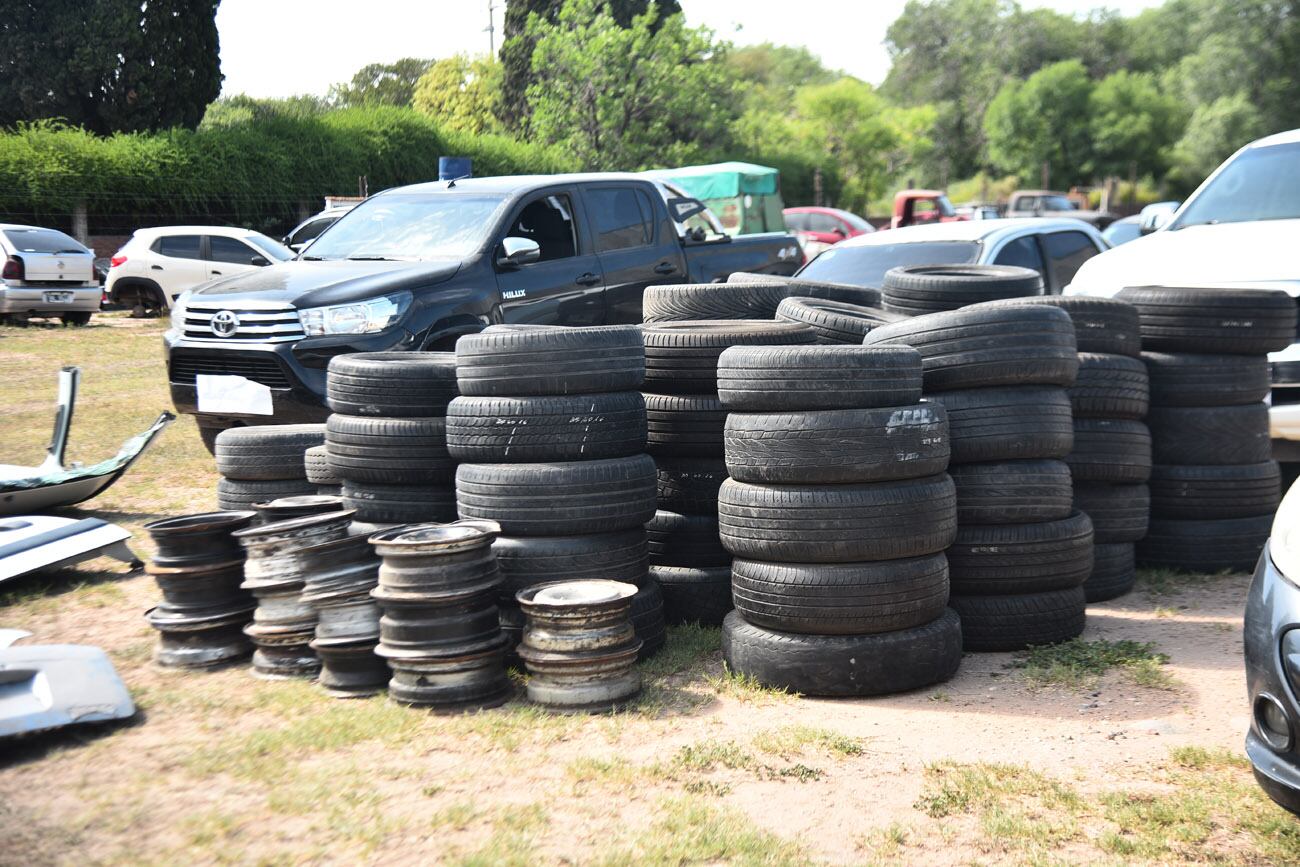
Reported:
(823, 223)
(796, 222)
(1023, 253)
(1066, 253)
(621, 220)
(310, 231)
(549, 222)
(223, 249)
(178, 246)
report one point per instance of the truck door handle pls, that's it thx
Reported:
(665, 268)
(588, 279)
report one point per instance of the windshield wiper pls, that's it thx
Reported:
(313, 258)
(381, 259)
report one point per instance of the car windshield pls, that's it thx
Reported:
(409, 227)
(274, 250)
(42, 241)
(1260, 184)
(866, 265)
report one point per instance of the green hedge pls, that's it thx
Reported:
(253, 173)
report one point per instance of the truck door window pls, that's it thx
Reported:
(1023, 253)
(1067, 251)
(620, 220)
(549, 222)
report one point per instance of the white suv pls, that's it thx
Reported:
(45, 273)
(157, 265)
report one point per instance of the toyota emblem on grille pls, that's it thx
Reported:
(224, 323)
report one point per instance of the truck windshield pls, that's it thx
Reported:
(866, 265)
(409, 227)
(1260, 184)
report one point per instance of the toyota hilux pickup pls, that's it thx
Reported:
(416, 267)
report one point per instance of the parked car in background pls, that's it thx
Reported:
(415, 268)
(1239, 228)
(1144, 222)
(309, 229)
(1054, 248)
(978, 211)
(1049, 203)
(818, 228)
(1272, 647)
(919, 207)
(45, 274)
(157, 265)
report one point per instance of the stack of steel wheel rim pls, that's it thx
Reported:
(440, 631)
(579, 645)
(199, 568)
(339, 577)
(287, 508)
(283, 624)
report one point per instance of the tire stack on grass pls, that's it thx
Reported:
(387, 440)
(551, 430)
(1214, 487)
(797, 287)
(914, 290)
(1111, 458)
(263, 463)
(1021, 553)
(685, 421)
(837, 511)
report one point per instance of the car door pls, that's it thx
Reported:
(1065, 253)
(564, 286)
(228, 256)
(1023, 252)
(635, 248)
(177, 263)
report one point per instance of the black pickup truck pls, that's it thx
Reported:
(416, 267)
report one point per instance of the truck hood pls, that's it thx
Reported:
(1257, 253)
(315, 284)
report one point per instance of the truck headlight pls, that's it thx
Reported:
(362, 317)
(178, 312)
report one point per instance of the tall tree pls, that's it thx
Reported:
(1132, 123)
(1043, 120)
(771, 74)
(462, 93)
(109, 66)
(381, 84)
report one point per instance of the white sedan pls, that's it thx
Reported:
(45, 273)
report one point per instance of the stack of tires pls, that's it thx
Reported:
(317, 464)
(1021, 552)
(263, 463)
(1111, 458)
(1214, 486)
(837, 511)
(685, 421)
(797, 287)
(915, 290)
(835, 322)
(386, 441)
(551, 432)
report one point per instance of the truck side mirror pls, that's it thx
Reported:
(516, 252)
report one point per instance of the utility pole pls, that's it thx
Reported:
(491, 30)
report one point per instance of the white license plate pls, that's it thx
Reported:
(233, 395)
(58, 297)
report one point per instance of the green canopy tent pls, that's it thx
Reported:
(745, 198)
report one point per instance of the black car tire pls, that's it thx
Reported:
(647, 615)
(1110, 450)
(1006, 559)
(921, 289)
(696, 301)
(841, 598)
(266, 452)
(526, 360)
(986, 346)
(1119, 512)
(542, 428)
(843, 446)
(682, 357)
(1216, 435)
(676, 539)
(399, 504)
(752, 378)
(316, 463)
(1230, 321)
(797, 287)
(690, 485)
(700, 596)
(1102, 325)
(389, 451)
(559, 499)
(835, 322)
(1005, 623)
(241, 494)
(837, 523)
(1012, 492)
(1110, 386)
(681, 426)
(391, 384)
(1201, 492)
(844, 665)
(1217, 545)
(1192, 379)
(524, 560)
(1006, 424)
(1113, 572)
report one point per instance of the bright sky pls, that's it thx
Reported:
(280, 48)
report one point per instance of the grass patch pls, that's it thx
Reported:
(1167, 582)
(686, 646)
(792, 739)
(745, 688)
(691, 831)
(1078, 664)
(953, 788)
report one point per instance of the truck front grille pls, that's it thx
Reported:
(185, 366)
(272, 324)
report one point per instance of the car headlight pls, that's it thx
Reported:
(362, 317)
(1284, 542)
(178, 312)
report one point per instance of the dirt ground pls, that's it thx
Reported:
(993, 767)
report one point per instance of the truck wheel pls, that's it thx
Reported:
(918, 289)
(546, 428)
(694, 595)
(677, 539)
(1004, 623)
(392, 384)
(1005, 559)
(1189, 379)
(705, 301)
(1111, 450)
(762, 379)
(1007, 424)
(834, 321)
(1100, 324)
(844, 665)
(267, 452)
(1012, 492)
(682, 357)
(1230, 321)
(1110, 386)
(516, 361)
(985, 346)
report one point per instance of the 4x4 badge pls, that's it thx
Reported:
(224, 323)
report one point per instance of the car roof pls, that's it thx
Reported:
(516, 183)
(23, 226)
(1039, 193)
(1289, 137)
(987, 231)
(228, 231)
